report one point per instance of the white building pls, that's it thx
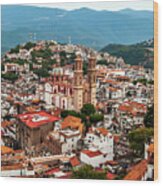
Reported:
(67, 134)
(93, 157)
(131, 114)
(101, 141)
(16, 171)
(69, 139)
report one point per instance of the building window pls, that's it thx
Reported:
(104, 155)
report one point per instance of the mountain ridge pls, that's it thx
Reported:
(86, 26)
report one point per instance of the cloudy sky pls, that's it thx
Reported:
(111, 5)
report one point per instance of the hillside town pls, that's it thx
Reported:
(69, 111)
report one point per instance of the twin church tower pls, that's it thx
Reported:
(84, 88)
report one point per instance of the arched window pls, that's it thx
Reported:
(63, 104)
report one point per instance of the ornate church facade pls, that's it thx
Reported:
(69, 93)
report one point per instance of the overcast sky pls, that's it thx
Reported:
(113, 6)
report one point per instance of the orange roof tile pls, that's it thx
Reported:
(137, 171)
(12, 167)
(74, 161)
(72, 122)
(112, 89)
(6, 150)
(6, 123)
(151, 148)
(103, 131)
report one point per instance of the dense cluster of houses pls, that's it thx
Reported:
(38, 142)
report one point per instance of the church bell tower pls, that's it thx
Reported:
(92, 79)
(78, 83)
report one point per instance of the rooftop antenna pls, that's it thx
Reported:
(34, 36)
(30, 36)
(69, 40)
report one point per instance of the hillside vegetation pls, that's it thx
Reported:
(136, 54)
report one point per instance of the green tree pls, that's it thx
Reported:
(31, 66)
(88, 172)
(143, 81)
(87, 125)
(85, 67)
(83, 117)
(15, 50)
(29, 45)
(128, 94)
(10, 76)
(102, 62)
(88, 109)
(149, 117)
(63, 62)
(120, 176)
(66, 113)
(151, 82)
(2, 67)
(137, 139)
(63, 54)
(42, 72)
(20, 61)
(96, 118)
(45, 54)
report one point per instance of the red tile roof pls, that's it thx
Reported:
(110, 176)
(52, 171)
(112, 163)
(116, 138)
(132, 107)
(36, 119)
(74, 161)
(92, 154)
